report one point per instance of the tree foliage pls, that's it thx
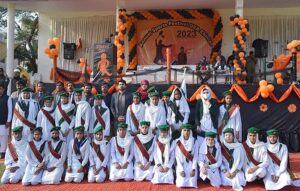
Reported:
(26, 32)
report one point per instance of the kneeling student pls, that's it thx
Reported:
(121, 155)
(36, 158)
(99, 156)
(164, 157)
(186, 153)
(143, 152)
(55, 158)
(78, 156)
(15, 162)
(233, 161)
(210, 159)
(277, 174)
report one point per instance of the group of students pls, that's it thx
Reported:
(152, 141)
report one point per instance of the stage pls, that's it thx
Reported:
(144, 186)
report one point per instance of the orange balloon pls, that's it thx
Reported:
(121, 37)
(119, 60)
(119, 46)
(242, 26)
(247, 33)
(263, 83)
(241, 18)
(244, 30)
(81, 64)
(278, 75)
(270, 88)
(53, 52)
(280, 81)
(240, 37)
(242, 42)
(47, 50)
(264, 89)
(235, 49)
(236, 20)
(241, 54)
(232, 23)
(56, 41)
(244, 62)
(50, 41)
(122, 27)
(81, 60)
(245, 22)
(265, 95)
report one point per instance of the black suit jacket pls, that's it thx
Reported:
(114, 106)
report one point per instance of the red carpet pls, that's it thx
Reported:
(143, 186)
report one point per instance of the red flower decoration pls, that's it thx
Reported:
(292, 108)
(263, 107)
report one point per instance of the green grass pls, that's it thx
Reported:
(2, 168)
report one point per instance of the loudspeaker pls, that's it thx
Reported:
(69, 51)
(260, 48)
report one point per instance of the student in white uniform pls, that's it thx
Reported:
(36, 159)
(135, 114)
(122, 153)
(277, 173)
(78, 156)
(99, 157)
(232, 161)
(46, 117)
(210, 159)
(230, 117)
(100, 116)
(164, 157)
(25, 113)
(186, 152)
(155, 113)
(83, 112)
(180, 111)
(257, 161)
(15, 162)
(55, 158)
(65, 117)
(144, 153)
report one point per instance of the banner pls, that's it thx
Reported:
(104, 63)
(188, 39)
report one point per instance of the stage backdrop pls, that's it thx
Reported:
(154, 36)
(104, 62)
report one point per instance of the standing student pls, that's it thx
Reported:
(5, 118)
(230, 117)
(25, 113)
(135, 114)
(65, 117)
(46, 117)
(100, 116)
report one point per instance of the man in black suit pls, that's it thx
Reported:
(120, 101)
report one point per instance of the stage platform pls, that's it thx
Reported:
(143, 186)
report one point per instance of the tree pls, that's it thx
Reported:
(26, 33)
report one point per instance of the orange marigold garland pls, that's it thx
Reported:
(239, 47)
(263, 107)
(292, 108)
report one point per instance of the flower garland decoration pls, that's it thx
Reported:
(263, 107)
(239, 47)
